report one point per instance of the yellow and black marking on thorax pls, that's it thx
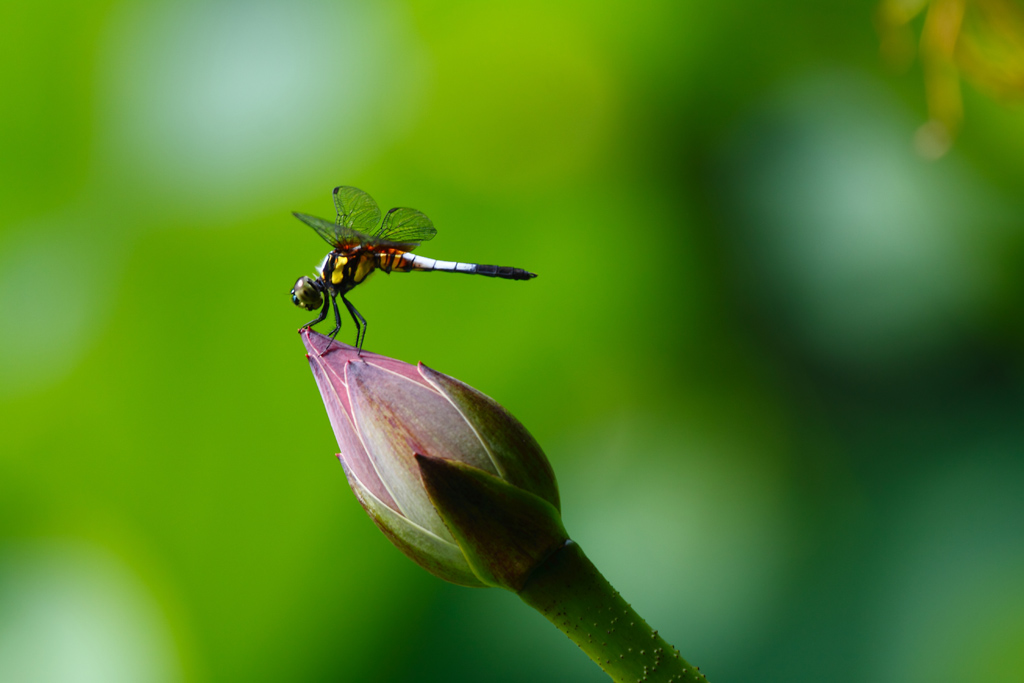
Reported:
(343, 271)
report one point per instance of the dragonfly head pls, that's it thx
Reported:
(306, 294)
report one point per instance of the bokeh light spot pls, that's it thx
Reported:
(233, 100)
(70, 613)
(866, 254)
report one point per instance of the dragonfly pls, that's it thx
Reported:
(363, 241)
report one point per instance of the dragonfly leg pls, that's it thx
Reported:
(360, 322)
(321, 317)
(337, 323)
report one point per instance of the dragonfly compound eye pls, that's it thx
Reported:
(306, 295)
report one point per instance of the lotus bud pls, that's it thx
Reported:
(449, 476)
(461, 487)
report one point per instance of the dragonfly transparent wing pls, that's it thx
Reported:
(356, 209)
(338, 236)
(405, 225)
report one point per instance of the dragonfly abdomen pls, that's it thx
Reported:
(406, 262)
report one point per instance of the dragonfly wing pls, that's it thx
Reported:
(338, 236)
(356, 209)
(405, 225)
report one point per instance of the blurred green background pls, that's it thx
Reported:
(775, 357)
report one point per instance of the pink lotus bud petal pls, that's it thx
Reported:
(334, 393)
(398, 417)
(440, 557)
(516, 455)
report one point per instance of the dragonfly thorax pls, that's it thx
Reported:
(341, 271)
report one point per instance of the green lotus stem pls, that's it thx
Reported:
(461, 487)
(569, 591)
